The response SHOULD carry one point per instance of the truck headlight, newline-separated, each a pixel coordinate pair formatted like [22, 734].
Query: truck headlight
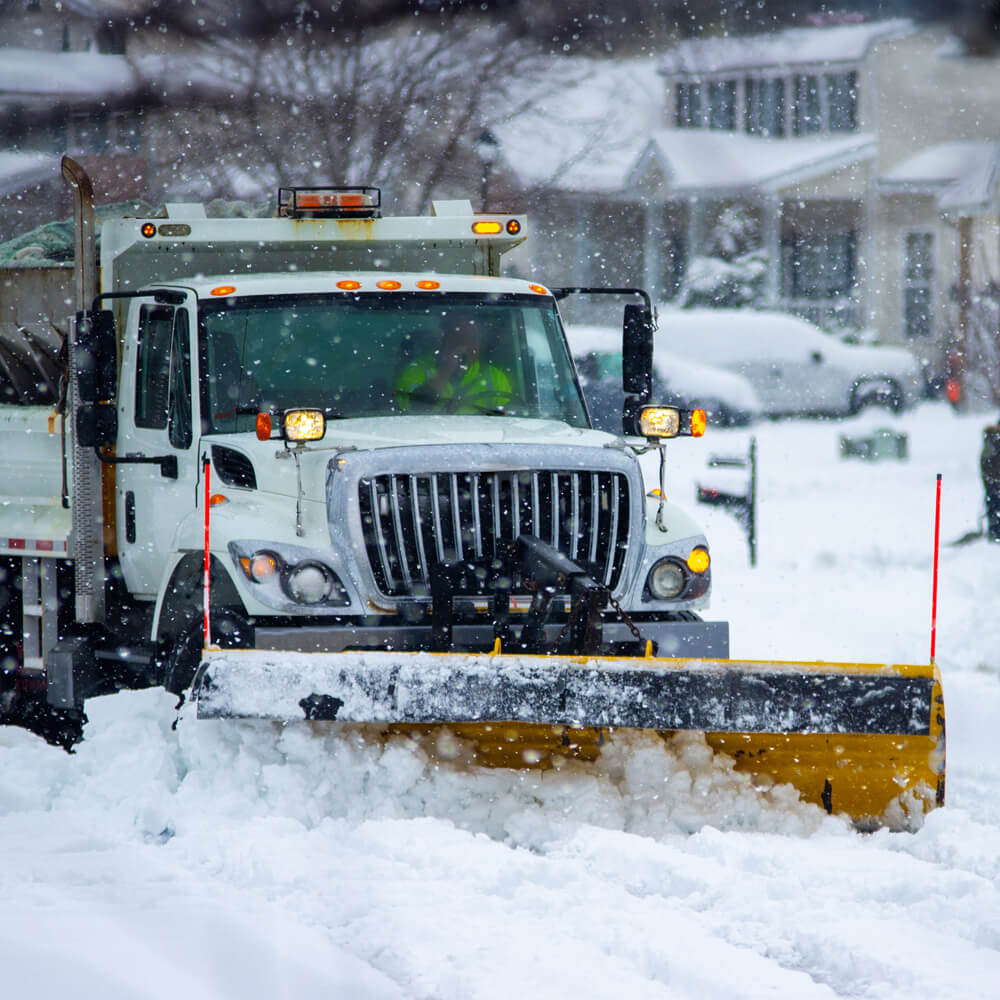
[310, 583]
[304, 425]
[667, 579]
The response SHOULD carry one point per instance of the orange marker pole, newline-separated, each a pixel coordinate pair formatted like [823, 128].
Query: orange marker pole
[934, 588]
[206, 586]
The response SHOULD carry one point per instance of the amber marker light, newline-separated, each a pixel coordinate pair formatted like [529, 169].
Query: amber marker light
[428, 286]
[513, 227]
[263, 426]
[539, 289]
[699, 421]
[349, 286]
[389, 285]
[148, 230]
[216, 498]
[487, 227]
[698, 561]
[223, 290]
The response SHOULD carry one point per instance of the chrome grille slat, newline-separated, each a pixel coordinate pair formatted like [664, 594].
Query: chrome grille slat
[397, 524]
[436, 512]
[477, 528]
[383, 552]
[610, 563]
[462, 515]
[554, 486]
[425, 569]
[575, 540]
[595, 515]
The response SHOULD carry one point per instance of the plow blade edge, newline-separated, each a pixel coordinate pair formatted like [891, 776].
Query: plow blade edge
[852, 737]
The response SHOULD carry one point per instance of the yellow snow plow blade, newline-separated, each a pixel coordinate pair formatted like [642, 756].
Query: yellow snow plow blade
[851, 737]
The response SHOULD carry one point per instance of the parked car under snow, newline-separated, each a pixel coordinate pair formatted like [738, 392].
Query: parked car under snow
[795, 368]
[728, 398]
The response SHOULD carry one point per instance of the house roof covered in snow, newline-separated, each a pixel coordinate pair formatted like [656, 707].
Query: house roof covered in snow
[699, 160]
[963, 175]
[34, 78]
[586, 129]
[23, 170]
[821, 45]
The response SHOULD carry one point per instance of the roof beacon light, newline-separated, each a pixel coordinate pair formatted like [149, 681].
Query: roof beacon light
[329, 203]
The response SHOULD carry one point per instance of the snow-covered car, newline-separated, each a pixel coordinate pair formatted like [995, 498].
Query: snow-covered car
[796, 368]
[729, 399]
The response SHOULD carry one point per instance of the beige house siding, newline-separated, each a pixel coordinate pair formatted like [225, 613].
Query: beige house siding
[926, 95]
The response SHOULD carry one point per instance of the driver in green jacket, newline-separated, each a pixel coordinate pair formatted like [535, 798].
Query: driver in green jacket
[456, 378]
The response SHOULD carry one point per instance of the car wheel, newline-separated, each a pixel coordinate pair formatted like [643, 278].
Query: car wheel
[883, 392]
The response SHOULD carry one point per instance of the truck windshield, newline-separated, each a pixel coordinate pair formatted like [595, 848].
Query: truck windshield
[358, 355]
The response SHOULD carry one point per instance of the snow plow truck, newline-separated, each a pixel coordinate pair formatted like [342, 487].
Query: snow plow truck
[271, 484]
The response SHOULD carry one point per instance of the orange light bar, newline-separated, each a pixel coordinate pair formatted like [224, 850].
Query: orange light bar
[331, 199]
[223, 290]
[487, 227]
[389, 285]
[263, 426]
[539, 289]
[699, 421]
[428, 286]
[349, 286]
[148, 230]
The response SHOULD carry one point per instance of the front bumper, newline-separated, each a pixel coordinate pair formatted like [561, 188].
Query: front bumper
[694, 639]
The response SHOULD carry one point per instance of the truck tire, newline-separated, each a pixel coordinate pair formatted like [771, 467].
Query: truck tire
[230, 630]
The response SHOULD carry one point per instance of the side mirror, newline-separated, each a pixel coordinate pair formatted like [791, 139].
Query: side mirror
[95, 362]
[637, 352]
[96, 425]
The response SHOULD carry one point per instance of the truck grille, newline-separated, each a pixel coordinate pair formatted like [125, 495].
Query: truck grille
[412, 522]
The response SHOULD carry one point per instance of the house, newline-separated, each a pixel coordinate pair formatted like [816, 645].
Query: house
[826, 153]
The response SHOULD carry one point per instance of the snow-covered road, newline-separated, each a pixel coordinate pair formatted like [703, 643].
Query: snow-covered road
[239, 860]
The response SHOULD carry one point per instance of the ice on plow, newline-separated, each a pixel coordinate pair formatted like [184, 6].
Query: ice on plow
[854, 738]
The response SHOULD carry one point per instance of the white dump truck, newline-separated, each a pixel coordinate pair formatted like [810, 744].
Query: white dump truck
[335, 467]
[281, 361]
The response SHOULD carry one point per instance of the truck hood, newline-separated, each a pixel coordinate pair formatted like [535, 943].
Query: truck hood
[274, 470]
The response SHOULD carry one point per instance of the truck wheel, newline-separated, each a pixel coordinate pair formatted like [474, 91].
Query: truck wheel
[230, 630]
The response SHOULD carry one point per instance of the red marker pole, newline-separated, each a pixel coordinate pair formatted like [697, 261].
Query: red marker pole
[934, 588]
[206, 587]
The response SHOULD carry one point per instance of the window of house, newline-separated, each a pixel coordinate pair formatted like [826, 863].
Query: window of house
[689, 105]
[918, 284]
[807, 111]
[819, 265]
[772, 107]
[722, 104]
[841, 101]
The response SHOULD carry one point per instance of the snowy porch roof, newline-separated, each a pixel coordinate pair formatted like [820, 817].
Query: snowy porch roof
[44, 79]
[19, 171]
[963, 175]
[822, 45]
[695, 161]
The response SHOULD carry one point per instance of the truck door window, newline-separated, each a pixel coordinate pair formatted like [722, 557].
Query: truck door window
[179, 409]
[152, 377]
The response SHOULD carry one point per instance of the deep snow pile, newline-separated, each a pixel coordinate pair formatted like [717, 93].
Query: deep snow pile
[250, 860]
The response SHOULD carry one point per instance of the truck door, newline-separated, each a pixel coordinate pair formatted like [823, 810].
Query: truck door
[155, 418]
